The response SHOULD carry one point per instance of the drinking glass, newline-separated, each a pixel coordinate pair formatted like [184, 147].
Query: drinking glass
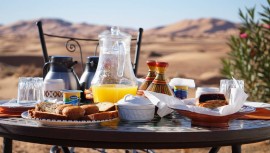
[227, 84]
[30, 89]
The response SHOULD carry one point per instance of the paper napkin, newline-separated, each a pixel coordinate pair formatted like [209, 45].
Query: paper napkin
[166, 103]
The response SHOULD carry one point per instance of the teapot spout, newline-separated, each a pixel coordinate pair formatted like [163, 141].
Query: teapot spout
[72, 64]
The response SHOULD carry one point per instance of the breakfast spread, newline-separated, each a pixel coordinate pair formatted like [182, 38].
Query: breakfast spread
[54, 111]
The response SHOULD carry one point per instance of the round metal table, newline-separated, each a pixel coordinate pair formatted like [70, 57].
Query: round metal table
[164, 133]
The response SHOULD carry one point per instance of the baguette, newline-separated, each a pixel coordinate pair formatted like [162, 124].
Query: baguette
[90, 109]
[59, 109]
[73, 112]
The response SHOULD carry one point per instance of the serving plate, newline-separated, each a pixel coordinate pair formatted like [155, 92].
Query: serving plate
[62, 122]
[257, 104]
[13, 106]
[214, 121]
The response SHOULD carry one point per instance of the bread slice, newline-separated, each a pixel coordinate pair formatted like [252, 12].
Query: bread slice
[46, 115]
[46, 107]
[105, 106]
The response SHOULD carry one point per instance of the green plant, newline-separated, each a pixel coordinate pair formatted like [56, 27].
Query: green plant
[249, 58]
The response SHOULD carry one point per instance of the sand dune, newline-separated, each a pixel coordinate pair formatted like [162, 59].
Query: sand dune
[196, 28]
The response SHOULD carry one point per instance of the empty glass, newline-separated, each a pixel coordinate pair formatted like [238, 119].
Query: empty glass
[227, 84]
[30, 89]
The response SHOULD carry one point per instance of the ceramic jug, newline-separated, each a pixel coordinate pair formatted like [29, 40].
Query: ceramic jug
[114, 77]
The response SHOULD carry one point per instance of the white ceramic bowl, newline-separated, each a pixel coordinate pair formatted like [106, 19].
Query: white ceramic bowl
[135, 109]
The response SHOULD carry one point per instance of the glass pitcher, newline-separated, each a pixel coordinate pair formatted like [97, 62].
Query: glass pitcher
[114, 77]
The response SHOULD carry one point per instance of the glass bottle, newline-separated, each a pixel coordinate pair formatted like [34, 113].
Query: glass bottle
[159, 84]
[149, 78]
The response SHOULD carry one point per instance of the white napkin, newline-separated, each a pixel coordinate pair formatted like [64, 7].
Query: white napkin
[166, 102]
[160, 100]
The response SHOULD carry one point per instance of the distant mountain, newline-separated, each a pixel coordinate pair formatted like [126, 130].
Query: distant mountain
[187, 28]
[196, 28]
[56, 26]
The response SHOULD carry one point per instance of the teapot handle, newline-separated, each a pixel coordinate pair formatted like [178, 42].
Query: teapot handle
[121, 59]
[45, 69]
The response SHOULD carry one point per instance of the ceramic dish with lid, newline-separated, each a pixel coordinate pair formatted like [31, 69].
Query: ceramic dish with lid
[135, 109]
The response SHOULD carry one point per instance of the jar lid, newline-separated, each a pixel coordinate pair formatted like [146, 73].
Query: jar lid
[114, 33]
[162, 64]
[130, 100]
[208, 89]
[151, 62]
[182, 82]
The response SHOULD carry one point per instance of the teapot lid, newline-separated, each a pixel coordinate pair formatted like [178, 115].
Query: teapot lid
[93, 59]
[114, 33]
[61, 59]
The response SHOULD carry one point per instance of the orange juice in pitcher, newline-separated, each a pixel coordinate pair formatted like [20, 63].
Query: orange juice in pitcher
[112, 92]
[114, 77]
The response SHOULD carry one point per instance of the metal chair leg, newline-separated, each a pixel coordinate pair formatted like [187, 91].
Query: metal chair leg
[65, 149]
[236, 148]
[7, 145]
[214, 150]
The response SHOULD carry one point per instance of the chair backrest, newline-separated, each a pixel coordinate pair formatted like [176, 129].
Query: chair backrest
[71, 47]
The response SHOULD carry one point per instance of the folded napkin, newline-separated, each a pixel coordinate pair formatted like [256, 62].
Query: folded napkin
[166, 103]
[5, 114]
[12, 109]
[259, 114]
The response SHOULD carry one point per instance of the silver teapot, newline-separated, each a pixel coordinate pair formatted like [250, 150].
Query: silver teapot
[61, 67]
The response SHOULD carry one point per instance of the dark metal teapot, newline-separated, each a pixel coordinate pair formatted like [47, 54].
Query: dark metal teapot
[61, 67]
[89, 72]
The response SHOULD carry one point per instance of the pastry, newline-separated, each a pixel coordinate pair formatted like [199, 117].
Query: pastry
[212, 100]
[46, 115]
[60, 108]
[90, 109]
[73, 112]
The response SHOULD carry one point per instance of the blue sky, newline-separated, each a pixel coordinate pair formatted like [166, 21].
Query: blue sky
[128, 13]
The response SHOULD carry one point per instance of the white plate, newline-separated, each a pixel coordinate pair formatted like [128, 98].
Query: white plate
[257, 104]
[13, 104]
[61, 122]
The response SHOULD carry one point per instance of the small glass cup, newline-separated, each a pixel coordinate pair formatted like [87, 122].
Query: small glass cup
[227, 84]
[30, 89]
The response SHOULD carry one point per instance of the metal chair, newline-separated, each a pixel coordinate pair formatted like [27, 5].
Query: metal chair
[72, 42]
